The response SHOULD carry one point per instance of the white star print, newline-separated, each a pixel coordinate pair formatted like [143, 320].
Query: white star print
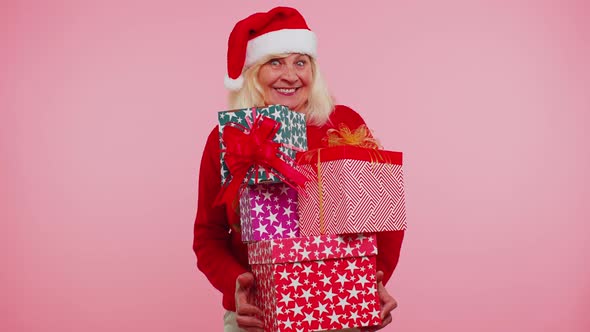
[288, 323]
[354, 315]
[284, 275]
[375, 313]
[262, 229]
[279, 230]
[342, 303]
[267, 195]
[305, 254]
[365, 305]
[297, 245]
[248, 113]
[286, 299]
[342, 279]
[276, 114]
[348, 250]
[353, 293]
[306, 294]
[307, 270]
[321, 308]
[297, 310]
[292, 233]
[334, 318]
[284, 189]
[257, 208]
[287, 211]
[278, 137]
[295, 283]
[317, 240]
[362, 279]
[272, 218]
[328, 295]
[352, 266]
[309, 318]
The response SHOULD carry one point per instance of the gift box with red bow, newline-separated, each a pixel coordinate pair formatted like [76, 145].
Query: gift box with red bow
[256, 148]
[268, 211]
[351, 190]
[258, 145]
[316, 283]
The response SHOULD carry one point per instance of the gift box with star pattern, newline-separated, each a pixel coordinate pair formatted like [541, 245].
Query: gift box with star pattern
[351, 190]
[316, 283]
[292, 132]
[268, 211]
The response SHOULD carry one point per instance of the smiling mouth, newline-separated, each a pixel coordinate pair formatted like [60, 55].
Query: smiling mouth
[286, 91]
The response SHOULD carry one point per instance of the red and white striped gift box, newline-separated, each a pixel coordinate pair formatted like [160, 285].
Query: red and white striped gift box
[354, 190]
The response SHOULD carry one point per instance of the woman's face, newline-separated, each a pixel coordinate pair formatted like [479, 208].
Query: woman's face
[286, 81]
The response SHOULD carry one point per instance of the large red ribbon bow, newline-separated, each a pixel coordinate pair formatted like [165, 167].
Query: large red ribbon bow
[249, 149]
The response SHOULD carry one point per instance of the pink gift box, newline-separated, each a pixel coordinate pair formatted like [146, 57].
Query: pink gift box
[316, 283]
[268, 211]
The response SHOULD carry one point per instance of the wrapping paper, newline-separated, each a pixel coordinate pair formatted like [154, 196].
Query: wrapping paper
[268, 211]
[354, 190]
[291, 132]
[316, 283]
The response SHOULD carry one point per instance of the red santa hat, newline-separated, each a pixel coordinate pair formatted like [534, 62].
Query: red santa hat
[280, 30]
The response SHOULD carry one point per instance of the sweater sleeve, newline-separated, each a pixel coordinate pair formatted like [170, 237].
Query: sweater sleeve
[211, 232]
[388, 243]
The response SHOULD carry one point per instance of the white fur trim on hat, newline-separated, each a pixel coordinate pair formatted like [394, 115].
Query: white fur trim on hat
[233, 84]
[281, 41]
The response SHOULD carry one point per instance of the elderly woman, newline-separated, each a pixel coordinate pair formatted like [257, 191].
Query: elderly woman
[271, 60]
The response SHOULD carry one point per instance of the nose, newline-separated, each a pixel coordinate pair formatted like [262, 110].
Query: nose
[289, 74]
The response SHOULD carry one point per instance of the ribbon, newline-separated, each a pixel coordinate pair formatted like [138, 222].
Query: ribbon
[321, 196]
[250, 149]
[360, 137]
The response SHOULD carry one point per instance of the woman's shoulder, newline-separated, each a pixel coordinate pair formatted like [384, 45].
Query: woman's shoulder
[343, 109]
[343, 113]
[212, 144]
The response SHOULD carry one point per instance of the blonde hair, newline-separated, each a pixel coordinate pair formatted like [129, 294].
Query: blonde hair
[319, 104]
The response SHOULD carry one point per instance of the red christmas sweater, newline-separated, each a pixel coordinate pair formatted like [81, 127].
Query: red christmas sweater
[221, 254]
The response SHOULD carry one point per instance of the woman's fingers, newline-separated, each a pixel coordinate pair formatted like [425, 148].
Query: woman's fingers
[388, 304]
[248, 309]
[246, 313]
[388, 319]
[247, 322]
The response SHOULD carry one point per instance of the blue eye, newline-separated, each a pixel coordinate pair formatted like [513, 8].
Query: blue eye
[301, 63]
[274, 62]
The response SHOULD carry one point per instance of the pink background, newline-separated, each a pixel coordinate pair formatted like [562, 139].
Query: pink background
[105, 107]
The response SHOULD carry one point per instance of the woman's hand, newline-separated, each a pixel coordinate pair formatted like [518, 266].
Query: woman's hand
[246, 312]
[388, 303]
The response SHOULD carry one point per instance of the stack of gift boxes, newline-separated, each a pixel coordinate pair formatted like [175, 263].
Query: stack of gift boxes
[313, 249]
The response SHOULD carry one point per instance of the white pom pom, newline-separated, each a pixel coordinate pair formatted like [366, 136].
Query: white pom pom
[233, 84]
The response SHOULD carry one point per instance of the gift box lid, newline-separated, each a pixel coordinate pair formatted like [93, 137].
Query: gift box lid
[349, 152]
[312, 248]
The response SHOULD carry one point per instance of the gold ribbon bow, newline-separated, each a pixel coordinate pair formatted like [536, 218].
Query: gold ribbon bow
[360, 137]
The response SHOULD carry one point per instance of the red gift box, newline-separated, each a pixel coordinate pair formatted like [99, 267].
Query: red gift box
[316, 283]
[355, 190]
